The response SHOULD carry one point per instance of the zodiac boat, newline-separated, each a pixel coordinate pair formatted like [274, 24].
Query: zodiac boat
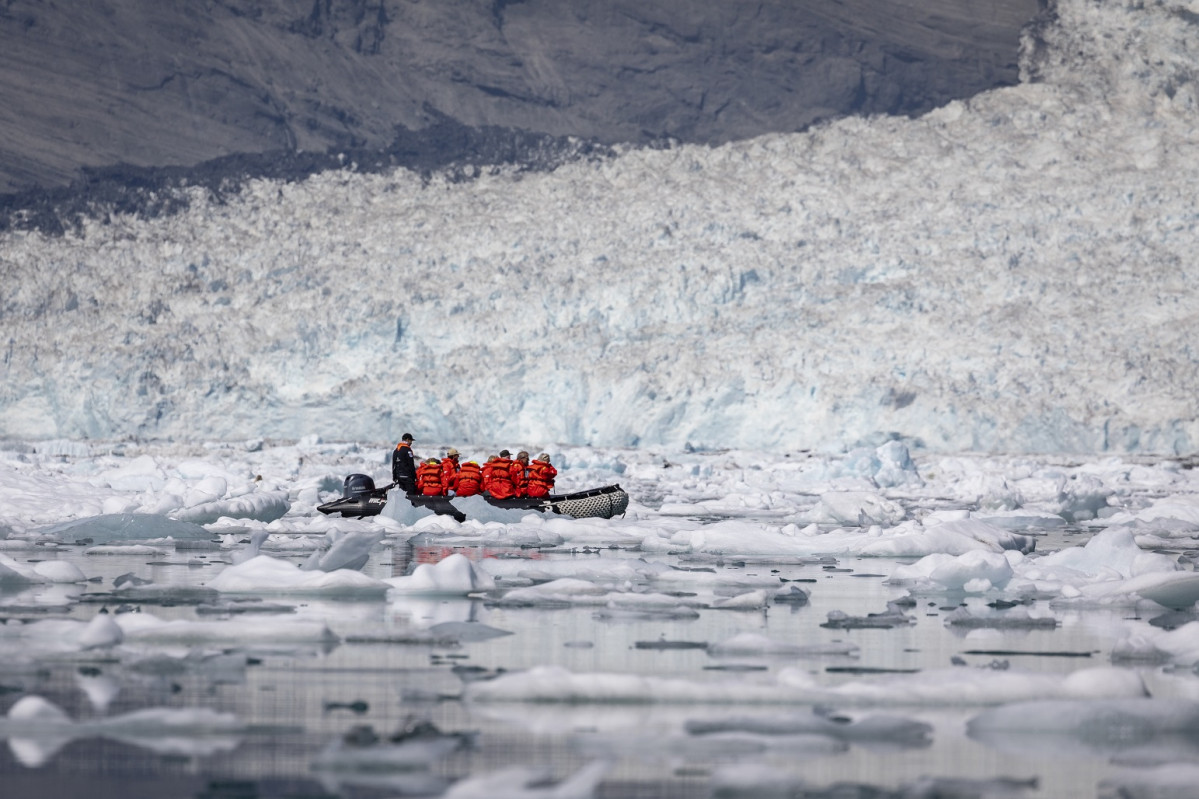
[360, 498]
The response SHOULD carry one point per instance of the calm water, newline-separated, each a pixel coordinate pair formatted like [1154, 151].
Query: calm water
[298, 701]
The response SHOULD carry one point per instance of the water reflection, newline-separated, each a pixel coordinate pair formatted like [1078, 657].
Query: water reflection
[342, 716]
[406, 556]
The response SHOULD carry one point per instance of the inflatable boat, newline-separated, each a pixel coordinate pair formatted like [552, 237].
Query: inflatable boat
[360, 498]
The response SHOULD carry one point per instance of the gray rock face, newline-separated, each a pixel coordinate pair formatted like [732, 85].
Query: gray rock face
[147, 83]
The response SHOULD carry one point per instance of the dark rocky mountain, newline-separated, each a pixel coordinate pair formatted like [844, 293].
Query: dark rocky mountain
[93, 90]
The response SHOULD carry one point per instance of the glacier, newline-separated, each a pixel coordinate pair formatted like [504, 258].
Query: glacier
[1011, 273]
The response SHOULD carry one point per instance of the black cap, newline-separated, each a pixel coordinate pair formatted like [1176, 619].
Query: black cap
[504, 453]
[407, 437]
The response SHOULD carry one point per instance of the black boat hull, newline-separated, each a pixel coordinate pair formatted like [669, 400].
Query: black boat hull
[355, 506]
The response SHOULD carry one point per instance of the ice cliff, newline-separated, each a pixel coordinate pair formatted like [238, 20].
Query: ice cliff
[1013, 272]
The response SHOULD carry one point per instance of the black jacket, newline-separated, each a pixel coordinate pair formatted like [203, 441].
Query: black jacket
[403, 467]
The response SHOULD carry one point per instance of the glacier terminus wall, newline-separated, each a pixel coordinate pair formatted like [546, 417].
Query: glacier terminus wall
[1013, 272]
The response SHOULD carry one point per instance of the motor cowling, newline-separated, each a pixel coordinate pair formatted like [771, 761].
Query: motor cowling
[357, 485]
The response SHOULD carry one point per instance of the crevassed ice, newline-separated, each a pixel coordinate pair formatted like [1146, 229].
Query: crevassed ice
[1007, 273]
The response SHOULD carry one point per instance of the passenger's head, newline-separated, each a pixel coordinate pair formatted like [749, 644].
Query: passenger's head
[543, 457]
[407, 437]
[505, 453]
[522, 456]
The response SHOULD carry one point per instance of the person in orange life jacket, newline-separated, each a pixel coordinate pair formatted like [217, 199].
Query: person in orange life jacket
[469, 480]
[403, 466]
[488, 468]
[541, 477]
[449, 471]
[500, 486]
[519, 470]
[428, 478]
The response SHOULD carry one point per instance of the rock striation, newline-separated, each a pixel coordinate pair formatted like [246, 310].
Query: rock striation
[85, 87]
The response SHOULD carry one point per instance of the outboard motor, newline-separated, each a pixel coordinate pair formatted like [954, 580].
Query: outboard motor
[358, 485]
[359, 498]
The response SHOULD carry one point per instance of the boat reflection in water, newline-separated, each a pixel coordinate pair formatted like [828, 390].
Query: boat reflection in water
[409, 555]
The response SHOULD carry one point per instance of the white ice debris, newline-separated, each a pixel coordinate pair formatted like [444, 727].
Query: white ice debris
[37, 729]
[455, 575]
[267, 575]
[795, 686]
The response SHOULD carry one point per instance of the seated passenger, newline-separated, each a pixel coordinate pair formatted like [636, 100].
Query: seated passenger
[449, 470]
[469, 480]
[500, 485]
[541, 477]
[520, 473]
[428, 478]
[488, 468]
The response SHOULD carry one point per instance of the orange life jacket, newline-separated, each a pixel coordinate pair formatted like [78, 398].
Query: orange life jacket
[449, 474]
[469, 480]
[500, 484]
[519, 477]
[428, 479]
[541, 479]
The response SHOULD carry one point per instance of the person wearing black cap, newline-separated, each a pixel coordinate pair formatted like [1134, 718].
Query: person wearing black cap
[403, 466]
[499, 479]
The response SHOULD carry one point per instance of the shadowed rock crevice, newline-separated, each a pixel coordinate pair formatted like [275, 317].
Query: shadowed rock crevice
[447, 147]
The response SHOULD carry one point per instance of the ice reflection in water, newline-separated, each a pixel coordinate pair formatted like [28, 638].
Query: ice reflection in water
[357, 716]
[278, 695]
